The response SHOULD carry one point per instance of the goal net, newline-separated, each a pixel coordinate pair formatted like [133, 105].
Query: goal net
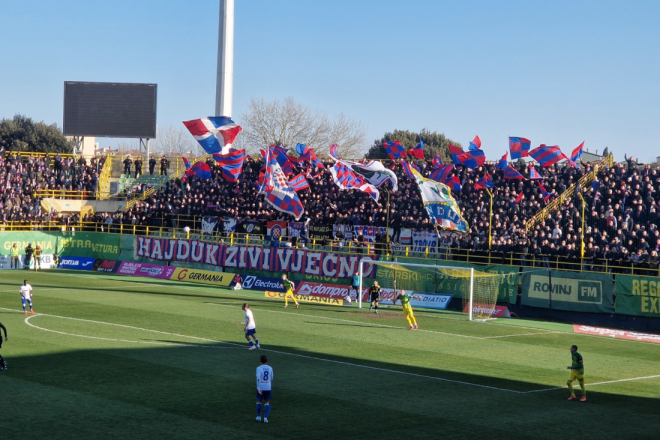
[478, 290]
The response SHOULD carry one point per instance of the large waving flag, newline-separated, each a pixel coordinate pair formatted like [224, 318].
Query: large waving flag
[305, 153]
[372, 171]
[437, 161]
[519, 147]
[454, 183]
[533, 174]
[454, 152]
[472, 159]
[394, 149]
[484, 183]
[502, 162]
[345, 178]
[439, 204]
[215, 134]
[279, 154]
[577, 153]
[547, 155]
[277, 190]
[418, 151]
[231, 164]
[298, 183]
[511, 173]
[199, 170]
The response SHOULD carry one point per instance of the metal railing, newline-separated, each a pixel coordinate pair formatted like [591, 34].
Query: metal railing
[103, 189]
[559, 202]
[64, 194]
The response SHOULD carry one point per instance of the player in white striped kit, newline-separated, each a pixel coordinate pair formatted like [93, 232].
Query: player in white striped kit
[26, 296]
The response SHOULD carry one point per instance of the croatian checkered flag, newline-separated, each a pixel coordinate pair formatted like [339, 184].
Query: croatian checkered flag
[345, 178]
[277, 190]
[215, 134]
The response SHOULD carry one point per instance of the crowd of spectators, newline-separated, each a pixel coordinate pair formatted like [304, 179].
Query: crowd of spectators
[621, 214]
[23, 174]
[620, 222]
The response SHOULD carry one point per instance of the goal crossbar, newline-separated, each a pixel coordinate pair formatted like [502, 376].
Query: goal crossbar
[428, 266]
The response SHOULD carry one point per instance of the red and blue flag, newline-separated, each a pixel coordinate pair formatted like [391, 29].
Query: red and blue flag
[406, 169]
[394, 149]
[576, 154]
[533, 174]
[511, 173]
[277, 190]
[502, 162]
[475, 144]
[519, 147]
[298, 183]
[199, 170]
[547, 155]
[442, 174]
[437, 161]
[472, 159]
[345, 178]
[546, 194]
[215, 134]
[518, 199]
[454, 152]
[418, 151]
[231, 164]
[484, 182]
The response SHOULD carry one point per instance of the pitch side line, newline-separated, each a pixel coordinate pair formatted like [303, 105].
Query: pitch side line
[593, 384]
[263, 349]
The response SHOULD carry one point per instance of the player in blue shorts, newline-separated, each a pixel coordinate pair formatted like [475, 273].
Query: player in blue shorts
[264, 388]
[250, 328]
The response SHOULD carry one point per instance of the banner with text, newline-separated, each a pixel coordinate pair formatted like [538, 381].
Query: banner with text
[47, 242]
[91, 245]
[251, 257]
[639, 296]
[572, 291]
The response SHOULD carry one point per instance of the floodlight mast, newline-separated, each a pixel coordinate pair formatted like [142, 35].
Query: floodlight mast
[224, 86]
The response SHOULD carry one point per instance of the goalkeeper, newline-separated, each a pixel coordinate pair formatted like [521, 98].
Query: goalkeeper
[407, 309]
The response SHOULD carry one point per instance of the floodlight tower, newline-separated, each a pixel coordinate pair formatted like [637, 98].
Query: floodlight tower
[224, 87]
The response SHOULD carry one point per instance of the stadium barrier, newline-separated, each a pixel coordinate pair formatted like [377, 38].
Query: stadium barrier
[637, 296]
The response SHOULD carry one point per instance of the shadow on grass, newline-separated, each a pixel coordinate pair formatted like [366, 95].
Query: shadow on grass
[315, 396]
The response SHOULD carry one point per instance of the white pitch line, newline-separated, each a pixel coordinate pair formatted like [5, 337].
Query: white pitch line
[593, 384]
[521, 334]
[269, 350]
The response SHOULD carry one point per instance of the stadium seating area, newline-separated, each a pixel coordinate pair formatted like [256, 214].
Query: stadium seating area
[621, 208]
[23, 174]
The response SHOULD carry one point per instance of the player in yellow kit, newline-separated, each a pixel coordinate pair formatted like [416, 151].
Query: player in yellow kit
[289, 286]
[577, 372]
[407, 308]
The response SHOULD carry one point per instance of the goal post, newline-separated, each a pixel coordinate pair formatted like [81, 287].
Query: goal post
[478, 290]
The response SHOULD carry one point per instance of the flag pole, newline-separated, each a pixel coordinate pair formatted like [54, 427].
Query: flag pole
[490, 219]
[387, 229]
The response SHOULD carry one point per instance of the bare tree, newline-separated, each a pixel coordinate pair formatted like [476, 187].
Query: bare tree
[288, 123]
[173, 140]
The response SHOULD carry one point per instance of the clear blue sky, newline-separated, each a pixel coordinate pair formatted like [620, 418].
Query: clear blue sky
[556, 72]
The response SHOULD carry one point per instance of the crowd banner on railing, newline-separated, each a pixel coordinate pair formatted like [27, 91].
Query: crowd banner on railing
[229, 225]
[320, 232]
[47, 242]
[251, 257]
[638, 296]
[277, 230]
[251, 227]
[578, 292]
[209, 224]
[296, 229]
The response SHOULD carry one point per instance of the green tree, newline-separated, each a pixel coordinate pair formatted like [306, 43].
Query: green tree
[434, 143]
[606, 152]
[23, 134]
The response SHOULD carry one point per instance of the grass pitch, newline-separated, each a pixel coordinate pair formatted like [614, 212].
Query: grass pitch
[121, 357]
